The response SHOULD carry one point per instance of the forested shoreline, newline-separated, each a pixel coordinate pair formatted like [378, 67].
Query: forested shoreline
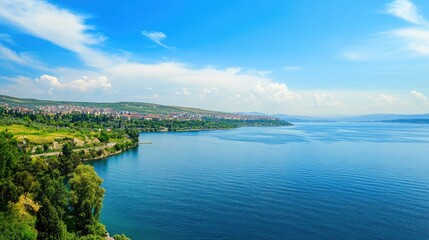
[56, 197]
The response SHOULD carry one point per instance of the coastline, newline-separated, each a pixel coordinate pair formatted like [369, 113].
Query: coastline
[108, 154]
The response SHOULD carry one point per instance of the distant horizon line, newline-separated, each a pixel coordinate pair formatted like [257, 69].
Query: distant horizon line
[339, 115]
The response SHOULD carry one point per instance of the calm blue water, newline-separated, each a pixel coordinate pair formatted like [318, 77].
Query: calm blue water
[309, 181]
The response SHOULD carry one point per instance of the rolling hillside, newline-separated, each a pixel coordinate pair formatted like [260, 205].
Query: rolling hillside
[148, 108]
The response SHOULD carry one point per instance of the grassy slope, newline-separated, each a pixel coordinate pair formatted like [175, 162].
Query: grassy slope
[40, 135]
[121, 106]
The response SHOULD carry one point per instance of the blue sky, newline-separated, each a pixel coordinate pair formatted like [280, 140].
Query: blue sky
[294, 57]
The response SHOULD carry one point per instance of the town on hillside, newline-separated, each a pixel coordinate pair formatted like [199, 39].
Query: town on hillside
[128, 115]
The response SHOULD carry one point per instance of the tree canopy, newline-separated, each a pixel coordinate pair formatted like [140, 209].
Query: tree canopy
[86, 198]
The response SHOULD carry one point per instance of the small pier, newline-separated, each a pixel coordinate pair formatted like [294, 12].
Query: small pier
[145, 142]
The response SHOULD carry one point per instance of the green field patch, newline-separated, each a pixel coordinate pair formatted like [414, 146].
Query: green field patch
[40, 135]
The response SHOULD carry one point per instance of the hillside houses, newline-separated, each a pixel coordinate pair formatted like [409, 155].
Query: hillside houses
[127, 115]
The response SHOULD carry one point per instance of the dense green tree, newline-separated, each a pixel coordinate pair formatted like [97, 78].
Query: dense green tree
[9, 162]
[14, 228]
[104, 137]
[51, 186]
[9, 192]
[86, 198]
[26, 181]
[68, 160]
[48, 224]
[91, 237]
[120, 237]
[133, 133]
[67, 150]
[9, 154]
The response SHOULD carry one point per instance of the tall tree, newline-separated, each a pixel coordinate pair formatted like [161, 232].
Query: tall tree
[51, 187]
[9, 161]
[48, 224]
[86, 198]
[68, 159]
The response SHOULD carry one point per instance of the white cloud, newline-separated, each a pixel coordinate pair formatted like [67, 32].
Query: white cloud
[85, 84]
[178, 74]
[420, 96]
[414, 39]
[325, 100]
[49, 22]
[274, 93]
[157, 37]
[56, 25]
[49, 80]
[406, 10]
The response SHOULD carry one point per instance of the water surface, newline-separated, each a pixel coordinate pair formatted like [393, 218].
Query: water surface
[309, 181]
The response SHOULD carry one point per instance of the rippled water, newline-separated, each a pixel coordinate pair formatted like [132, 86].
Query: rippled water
[309, 181]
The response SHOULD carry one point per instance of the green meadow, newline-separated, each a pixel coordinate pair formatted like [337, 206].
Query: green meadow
[42, 135]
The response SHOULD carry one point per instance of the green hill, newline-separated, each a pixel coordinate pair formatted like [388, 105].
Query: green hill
[139, 107]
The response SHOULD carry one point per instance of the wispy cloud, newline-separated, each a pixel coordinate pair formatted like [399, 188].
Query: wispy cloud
[19, 58]
[157, 37]
[383, 100]
[411, 41]
[4, 37]
[59, 26]
[49, 22]
[420, 96]
[407, 11]
[415, 39]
